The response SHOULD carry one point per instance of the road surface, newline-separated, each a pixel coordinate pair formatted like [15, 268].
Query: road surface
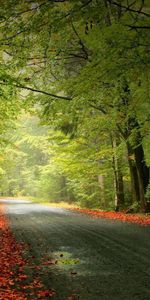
[96, 259]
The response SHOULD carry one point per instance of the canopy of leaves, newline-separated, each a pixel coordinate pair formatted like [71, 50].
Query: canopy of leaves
[84, 66]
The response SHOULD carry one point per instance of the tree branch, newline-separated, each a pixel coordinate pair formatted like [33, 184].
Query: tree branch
[13, 36]
[137, 27]
[30, 9]
[127, 8]
[99, 108]
[85, 4]
[20, 86]
[80, 41]
[76, 10]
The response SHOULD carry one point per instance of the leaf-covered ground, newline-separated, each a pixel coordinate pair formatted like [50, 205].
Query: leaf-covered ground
[123, 216]
[14, 282]
[55, 253]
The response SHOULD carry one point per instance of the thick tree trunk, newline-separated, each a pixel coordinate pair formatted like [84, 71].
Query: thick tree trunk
[130, 130]
[141, 166]
[143, 175]
[139, 173]
[133, 175]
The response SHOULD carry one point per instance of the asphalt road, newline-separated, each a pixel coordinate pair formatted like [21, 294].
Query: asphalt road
[97, 259]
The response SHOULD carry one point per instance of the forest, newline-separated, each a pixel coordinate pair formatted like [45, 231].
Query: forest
[75, 102]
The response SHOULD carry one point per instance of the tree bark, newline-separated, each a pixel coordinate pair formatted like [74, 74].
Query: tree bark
[143, 175]
[102, 190]
[118, 177]
[131, 132]
[138, 169]
[133, 174]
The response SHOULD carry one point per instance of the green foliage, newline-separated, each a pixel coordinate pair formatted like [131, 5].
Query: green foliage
[84, 67]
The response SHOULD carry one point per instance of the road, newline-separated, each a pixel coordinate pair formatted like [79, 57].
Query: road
[97, 259]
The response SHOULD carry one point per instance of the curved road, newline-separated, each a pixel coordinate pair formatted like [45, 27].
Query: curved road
[94, 259]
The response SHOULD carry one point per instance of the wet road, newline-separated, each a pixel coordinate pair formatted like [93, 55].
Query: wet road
[97, 259]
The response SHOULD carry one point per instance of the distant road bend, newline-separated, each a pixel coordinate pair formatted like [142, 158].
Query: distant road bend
[96, 259]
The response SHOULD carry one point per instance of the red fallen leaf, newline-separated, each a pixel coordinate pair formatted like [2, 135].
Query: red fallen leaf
[49, 262]
[11, 282]
[46, 293]
[23, 277]
[37, 267]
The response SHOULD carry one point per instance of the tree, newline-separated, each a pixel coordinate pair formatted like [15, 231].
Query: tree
[88, 55]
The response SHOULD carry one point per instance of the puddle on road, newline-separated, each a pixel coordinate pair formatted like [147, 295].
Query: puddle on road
[65, 258]
[64, 261]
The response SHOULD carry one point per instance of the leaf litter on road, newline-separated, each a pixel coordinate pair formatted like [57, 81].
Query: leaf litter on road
[14, 283]
[123, 216]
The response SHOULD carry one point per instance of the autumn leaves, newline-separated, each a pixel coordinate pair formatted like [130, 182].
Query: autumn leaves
[123, 216]
[14, 282]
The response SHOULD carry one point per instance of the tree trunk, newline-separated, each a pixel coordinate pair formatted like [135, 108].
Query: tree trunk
[130, 130]
[139, 172]
[143, 175]
[133, 175]
[141, 166]
[119, 186]
[102, 190]
[63, 188]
